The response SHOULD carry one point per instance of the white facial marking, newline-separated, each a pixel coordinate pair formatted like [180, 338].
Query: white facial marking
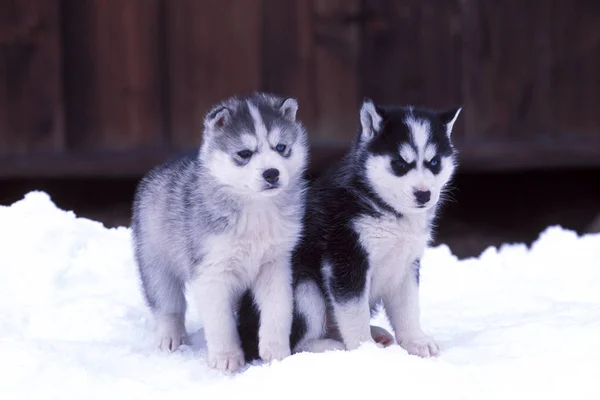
[398, 191]
[249, 141]
[260, 128]
[391, 188]
[420, 132]
[274, 136]
[430, 152]
[408, 153]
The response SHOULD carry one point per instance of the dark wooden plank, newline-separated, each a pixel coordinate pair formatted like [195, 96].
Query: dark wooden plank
[411, 53]
[288, 56]
[337, 49]
[112, 71]
[214, 52]
[531, 70]
[310, 51]
[31, 97]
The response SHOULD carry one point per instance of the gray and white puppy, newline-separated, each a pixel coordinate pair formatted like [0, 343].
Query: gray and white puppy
[223, 221]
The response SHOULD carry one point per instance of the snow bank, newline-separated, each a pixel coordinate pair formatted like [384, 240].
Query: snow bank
[514, 323]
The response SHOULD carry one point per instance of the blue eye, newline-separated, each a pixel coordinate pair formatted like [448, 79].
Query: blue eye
[280, 148]
[434, 162]
[245, 154]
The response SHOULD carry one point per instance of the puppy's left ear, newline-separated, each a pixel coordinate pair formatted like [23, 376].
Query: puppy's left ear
[289, 108]
[448, 118]
[217, 118]
[370, 120]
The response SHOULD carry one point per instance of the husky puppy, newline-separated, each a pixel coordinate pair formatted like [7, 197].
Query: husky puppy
[223, 221]
[367, 224]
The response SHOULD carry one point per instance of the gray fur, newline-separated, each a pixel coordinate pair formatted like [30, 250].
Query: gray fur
[189, 212]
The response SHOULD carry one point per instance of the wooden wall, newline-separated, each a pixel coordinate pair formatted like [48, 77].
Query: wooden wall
[111, 87]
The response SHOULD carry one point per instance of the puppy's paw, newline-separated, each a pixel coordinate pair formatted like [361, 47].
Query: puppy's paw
[361, 342]
[226, 361]
[170, 341]
[381, 336]
[170, 334]
[422, 346]
[273, 350]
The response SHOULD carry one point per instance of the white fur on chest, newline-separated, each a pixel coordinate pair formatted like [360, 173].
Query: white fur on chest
[261, 233]
[392, 245]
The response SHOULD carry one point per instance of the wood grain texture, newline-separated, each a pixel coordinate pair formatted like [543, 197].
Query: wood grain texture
[288, 56]
[31, 96]
[531, 70]
[337, 50]
[411, 52]
[214, 53]
[84, 82]
[113, 87]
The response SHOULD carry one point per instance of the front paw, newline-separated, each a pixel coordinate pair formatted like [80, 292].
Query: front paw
[274, 350]
[422, 346]
[226, 361]
[353, 344]
[170, 332]
[170, 340]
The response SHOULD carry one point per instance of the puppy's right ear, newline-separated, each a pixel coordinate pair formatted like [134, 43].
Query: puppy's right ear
[289, 108]
[370, 120]
[217, 118]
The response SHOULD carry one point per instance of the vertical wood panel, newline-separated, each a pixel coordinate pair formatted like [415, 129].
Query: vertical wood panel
[31, 98]
[288, 56]
[214, 53]
[531, 71]
[411, 53]
[336, 69]
[113, 74]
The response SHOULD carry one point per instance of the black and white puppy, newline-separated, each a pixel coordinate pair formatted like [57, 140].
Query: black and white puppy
[367, 224]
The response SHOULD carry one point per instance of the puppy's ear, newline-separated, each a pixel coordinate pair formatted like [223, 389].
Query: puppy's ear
[217, 118]
[370, 120]
[448, 118]
[289, 108]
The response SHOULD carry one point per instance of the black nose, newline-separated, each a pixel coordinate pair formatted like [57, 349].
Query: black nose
[271, 175]
[422, 196]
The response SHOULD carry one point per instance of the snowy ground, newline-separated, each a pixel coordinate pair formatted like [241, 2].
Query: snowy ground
[516, 323]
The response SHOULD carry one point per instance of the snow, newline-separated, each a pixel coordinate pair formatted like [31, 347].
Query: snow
[514, 323]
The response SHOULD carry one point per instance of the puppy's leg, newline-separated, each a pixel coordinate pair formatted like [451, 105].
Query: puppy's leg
[347, 280]
[273, 295]
[353, 319]
[164, 294]
[217, 294]
[403, 309]
[312, 311]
